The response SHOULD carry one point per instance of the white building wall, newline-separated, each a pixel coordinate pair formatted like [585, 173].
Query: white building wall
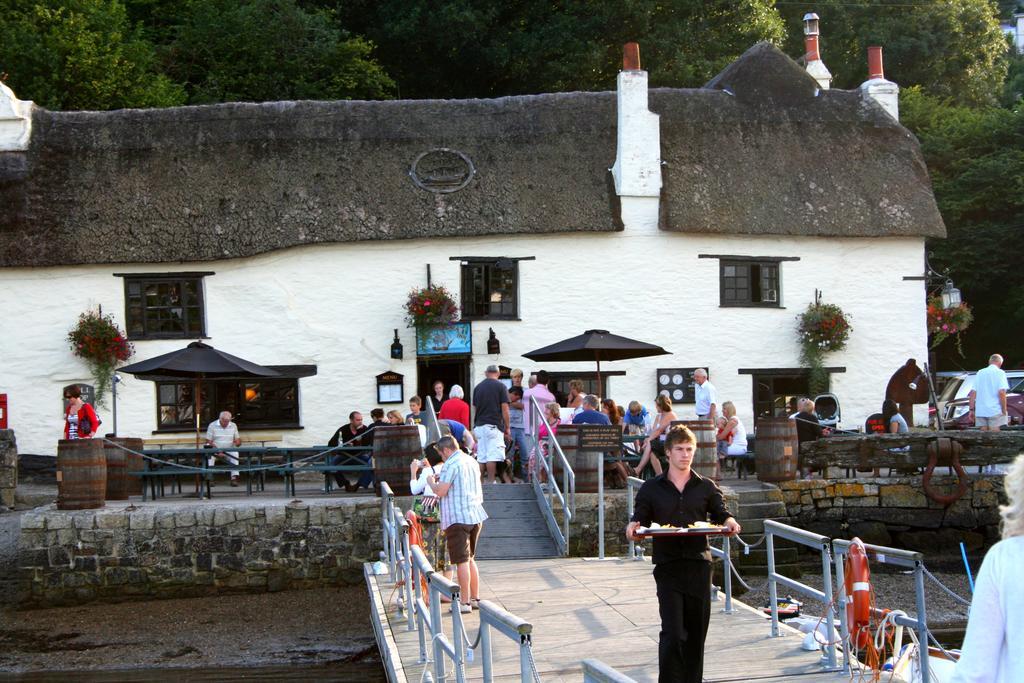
[336, 306]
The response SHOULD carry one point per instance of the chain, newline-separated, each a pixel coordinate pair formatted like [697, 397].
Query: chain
[533, 665]
[943, 587]
[759, 541]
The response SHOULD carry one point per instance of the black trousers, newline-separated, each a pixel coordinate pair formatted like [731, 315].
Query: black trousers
[684, 602]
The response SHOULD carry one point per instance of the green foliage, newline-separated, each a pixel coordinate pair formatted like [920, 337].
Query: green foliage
[80, 54]
[98, 341]
[976, 160]
[479, 48]
[264, 50]
[821, 328]
[952, 48]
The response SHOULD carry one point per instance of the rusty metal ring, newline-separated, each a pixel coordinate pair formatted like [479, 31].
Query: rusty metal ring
[949, 451]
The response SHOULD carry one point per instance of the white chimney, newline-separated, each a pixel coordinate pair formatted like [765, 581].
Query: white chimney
[637, 169]
[15, 121]
[886, 93]
[815, 67]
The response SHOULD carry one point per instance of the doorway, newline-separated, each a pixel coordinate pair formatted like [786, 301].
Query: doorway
[450, 370]
[773, 391]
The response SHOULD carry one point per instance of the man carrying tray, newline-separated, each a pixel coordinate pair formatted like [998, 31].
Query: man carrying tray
[682, 563]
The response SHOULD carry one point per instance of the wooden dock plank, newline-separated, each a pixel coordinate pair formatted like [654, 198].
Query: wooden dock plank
[608, 610]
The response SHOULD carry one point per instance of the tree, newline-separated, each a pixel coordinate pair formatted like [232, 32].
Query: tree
[976, 160]
[479, 48]
[80, 54]
[951, 48]
[263, 50]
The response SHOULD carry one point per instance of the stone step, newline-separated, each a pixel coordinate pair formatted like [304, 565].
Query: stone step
[768, 510]
[766, 495]
[792, 571]
[508, 492]
[758, 557]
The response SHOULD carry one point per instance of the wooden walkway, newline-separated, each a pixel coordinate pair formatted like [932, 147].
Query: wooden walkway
[605, 610]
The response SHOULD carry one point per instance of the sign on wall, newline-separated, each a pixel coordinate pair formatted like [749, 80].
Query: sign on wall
[677, 384]
[443, 340]
[390, 387]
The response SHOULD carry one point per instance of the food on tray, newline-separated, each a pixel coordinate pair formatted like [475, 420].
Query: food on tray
[703, 525]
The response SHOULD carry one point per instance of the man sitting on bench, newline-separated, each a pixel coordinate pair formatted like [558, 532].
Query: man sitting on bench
[349, 434]
[223, 433]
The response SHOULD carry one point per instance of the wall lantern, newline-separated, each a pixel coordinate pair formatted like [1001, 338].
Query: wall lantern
[396, 347]
[950, 295]
[493, 345]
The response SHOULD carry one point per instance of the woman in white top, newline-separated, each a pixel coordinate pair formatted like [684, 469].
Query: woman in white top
[734, 428]
[654, 446]
[992, 651]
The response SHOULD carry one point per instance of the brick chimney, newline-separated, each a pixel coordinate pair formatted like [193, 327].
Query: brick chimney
[886, 93]
[15, 121]
[812, 55]
[637, 169]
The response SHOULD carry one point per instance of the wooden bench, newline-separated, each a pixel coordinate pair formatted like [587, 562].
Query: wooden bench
[186, 441]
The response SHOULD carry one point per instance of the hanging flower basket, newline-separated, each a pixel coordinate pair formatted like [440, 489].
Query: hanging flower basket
[430, 306]
[821, 329]
[944, 323]
[98, 341]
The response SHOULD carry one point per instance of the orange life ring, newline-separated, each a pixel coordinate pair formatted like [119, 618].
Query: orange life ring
[858, 594]
[415, 529]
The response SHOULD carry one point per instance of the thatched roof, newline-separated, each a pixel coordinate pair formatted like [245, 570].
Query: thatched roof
[232, 180]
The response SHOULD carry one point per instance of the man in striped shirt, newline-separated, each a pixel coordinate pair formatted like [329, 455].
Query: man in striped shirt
[462, 515]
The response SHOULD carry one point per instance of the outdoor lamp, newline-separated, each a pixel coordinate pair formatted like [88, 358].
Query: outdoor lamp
[950, 295]
[396, 347]
[811, 24]
[493, 345]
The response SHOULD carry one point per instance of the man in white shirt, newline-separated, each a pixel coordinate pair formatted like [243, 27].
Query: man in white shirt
[223, 433]
[988, 398]
[705, 395]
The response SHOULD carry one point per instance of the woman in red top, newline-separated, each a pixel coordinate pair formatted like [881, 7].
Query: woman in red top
[455, 408]
[80, 421]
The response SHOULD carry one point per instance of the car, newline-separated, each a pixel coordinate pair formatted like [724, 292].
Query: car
[963, 420]
[958, 388]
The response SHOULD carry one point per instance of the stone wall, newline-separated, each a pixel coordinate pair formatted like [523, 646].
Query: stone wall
[896, 511]
[8, 467]
[189, 550]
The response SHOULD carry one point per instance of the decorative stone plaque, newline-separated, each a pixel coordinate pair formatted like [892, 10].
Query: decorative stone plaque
[442, 170]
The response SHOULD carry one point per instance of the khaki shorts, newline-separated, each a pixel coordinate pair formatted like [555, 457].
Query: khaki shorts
[994, 422]
[461, 541]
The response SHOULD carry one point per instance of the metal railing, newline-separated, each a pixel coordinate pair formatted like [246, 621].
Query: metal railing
[410, 567]
[548, 493]
[899, 558]
[596, 671]
[773, 529]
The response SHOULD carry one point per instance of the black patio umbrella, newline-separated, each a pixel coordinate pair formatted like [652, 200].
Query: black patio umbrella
[197, 361]
[596, 345]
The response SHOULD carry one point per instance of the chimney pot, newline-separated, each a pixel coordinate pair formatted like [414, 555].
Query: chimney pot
[875, 69]
[811, 53]
[631, 57]
[810, 24]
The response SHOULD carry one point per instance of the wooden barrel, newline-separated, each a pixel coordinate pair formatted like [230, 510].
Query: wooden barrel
[120, 483]
[777, 451]
[586, 466]
[81, 474]
[393, 449]
[705, 456]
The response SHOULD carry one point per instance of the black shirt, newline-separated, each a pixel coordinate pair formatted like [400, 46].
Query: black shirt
[487, 399]
[345, 434]
[660, 501]
[807, 427]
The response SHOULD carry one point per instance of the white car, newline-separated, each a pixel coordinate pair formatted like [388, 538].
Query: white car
[962, 385]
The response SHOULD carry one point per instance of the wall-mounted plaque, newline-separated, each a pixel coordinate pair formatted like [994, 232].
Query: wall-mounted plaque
[442, 170]
[443, 340]
[600, 438]
[390, 387]
[677, 384]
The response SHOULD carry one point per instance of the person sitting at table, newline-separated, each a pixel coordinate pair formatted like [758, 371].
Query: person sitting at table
[394, 418]
[894, 422]
[350, 434]
[808, 428]
[455, 408]
[223, 433]
[733, 434]
[576, 394]
[377, 415]
[591, 412]
[614, 470]
[654, 444]
[415, 416]
[637, 420]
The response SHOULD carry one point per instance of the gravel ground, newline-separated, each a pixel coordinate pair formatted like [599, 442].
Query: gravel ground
[892, 591]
